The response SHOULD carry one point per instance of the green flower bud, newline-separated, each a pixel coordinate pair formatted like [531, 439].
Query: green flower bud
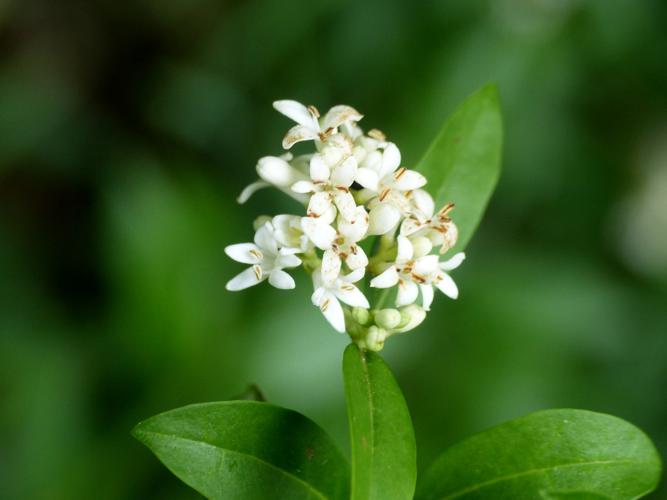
[260, 221]
[388, 318]
[411, 317]
[375, 338]
[361, 315]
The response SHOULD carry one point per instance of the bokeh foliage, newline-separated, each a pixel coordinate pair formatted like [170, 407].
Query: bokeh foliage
[128, 128]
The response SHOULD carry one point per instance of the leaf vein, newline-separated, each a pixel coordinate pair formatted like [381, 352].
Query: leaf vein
[308, 486]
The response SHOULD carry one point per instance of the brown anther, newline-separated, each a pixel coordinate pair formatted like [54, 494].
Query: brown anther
[343, 188]
[354, 249]
[384, 194]
[446, 209]
[313, 111]
[417, 278]
[408, 194]
[399, 173]
[376, 134]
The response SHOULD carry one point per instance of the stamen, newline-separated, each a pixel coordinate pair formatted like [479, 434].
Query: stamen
[258, 272]
[256, 253]
[376, 134]
[384, 194]
[313, 111]
[399, 173]
[418, 279]
[325, 305]
[446, 209]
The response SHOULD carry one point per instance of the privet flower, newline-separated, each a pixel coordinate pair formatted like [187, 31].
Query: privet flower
[365, 216]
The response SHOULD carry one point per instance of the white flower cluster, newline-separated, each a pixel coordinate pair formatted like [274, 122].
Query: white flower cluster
[359, 200]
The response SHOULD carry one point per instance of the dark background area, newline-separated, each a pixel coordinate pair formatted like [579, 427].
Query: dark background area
[127, 129]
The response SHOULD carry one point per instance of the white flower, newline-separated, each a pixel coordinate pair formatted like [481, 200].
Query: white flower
[329, 294]
[267, 261]
[438, 228]
[415, 270]
[309, 126]
[386, 186]
[338, 245]
[275, 171]
[289, 234]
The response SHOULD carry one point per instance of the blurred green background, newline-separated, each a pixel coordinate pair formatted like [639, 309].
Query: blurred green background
[128, 128]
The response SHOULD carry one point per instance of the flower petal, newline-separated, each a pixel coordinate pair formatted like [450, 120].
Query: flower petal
[303, 187]
[427, 296]
[286, 258]
[423, 201]
[407, 180]
[297, 112]
[426, 266]
[383, 217]
[355, 229]
[344, 173]
[354, 276]
[407, 292]
[410, 225]
[319, 170]
[264, 239]
[278, 172]
[367, 178]
[251, 189]
[386, 279]
[351, 295]
[356, 258]
[320, 233]
[319, 203]
[405, 250]
[298, 133]
[391, 159]
[246, 279]
[331, 265]
[340, 114]
[454, 262]
[333, 311]
[446, 285]
[280, 279]
[246, 253]
[345, 203]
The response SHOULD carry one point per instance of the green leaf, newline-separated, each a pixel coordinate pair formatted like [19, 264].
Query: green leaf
[384, 457]
[573, 495]
[553, 450]
[247, 450]
[463, 163]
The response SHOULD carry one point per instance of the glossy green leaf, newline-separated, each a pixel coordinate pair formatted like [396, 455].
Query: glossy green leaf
[553, 450]
[463, 162]
[381, 437]
[573, 495]
[247, 450]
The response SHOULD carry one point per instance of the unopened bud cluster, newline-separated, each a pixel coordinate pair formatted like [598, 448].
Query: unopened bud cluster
[365, 216]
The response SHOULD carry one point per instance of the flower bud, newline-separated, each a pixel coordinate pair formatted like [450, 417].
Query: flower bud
[361, 315]
[278, 172]
[375, 338]
[260, 221]
[422, 246]
[388, 318]
[411, 317]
